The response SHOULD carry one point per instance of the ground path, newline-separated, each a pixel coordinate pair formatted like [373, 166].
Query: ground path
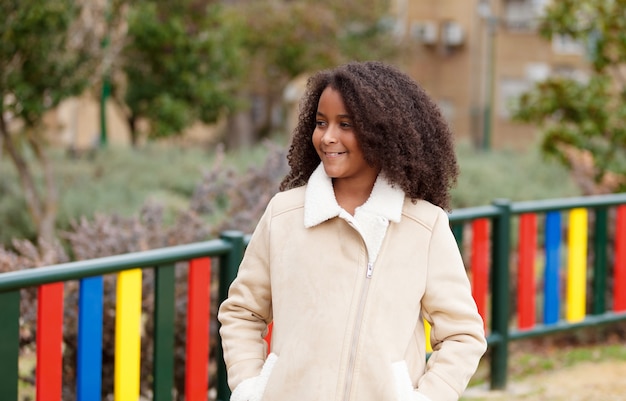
[584, 381]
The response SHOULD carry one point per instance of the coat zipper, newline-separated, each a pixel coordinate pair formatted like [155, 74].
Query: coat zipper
[356, 331]
[370, 270]
[358, 320]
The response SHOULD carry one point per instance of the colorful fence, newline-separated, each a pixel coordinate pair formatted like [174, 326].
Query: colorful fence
[554, 276]
[128, 270]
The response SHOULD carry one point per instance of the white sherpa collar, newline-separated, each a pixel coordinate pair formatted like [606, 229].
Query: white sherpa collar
[370, 219]
[320, 203]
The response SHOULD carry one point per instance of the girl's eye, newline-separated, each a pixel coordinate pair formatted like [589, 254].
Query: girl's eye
[346, 124]
[320, 123]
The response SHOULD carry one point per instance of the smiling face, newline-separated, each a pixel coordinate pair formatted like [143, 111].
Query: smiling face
[336, 143]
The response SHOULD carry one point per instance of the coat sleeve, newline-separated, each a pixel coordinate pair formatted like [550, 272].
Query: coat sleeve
[457, 330]
[247, 311]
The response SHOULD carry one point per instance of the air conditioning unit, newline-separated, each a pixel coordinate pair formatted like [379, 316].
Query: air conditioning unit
[425, 32]
[452, 34]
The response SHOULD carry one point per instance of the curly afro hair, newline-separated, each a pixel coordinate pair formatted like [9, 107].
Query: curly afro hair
[398, 126]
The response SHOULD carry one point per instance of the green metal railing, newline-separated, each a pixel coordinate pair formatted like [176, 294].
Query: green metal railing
[501, 215]
[228, 250]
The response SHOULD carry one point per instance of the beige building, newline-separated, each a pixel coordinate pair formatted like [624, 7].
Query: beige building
[476, 56]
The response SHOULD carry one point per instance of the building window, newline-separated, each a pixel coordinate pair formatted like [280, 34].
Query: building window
[510, 91]
[523, 15]
[571, 72]
[564, 44]
[512, 88]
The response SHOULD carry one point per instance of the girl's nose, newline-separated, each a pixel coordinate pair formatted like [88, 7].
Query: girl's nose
[329, 136]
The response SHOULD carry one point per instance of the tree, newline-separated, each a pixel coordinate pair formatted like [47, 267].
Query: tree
[201, 60]
[45, 56]
[285, 39]
[583, 120]
[181, 64]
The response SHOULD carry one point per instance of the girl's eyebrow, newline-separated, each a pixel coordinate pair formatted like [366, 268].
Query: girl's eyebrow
[319, 113]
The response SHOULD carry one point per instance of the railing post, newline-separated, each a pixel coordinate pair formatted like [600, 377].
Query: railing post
[600, 260]
[9, 343]
[164, 335]
[500, 290]
[229, 264]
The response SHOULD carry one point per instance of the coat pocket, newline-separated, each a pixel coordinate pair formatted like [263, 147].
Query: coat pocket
[404, 387]
[252, 389]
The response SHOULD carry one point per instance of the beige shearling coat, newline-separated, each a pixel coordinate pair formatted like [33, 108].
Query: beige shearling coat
[347, 296]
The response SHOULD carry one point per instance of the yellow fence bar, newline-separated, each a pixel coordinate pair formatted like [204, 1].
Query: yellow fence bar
[577, 265]
[128, 336]
[429, 347]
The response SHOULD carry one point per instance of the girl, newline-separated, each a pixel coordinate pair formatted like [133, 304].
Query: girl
[354, 254]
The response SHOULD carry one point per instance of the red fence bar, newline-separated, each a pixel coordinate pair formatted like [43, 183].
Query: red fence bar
[619, 275]
[197, 347]
[526, 271]
[480, 264]
[268, 337]
[49, 339]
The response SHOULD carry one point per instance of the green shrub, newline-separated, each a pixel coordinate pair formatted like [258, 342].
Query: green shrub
[121, 181]
[109, 181]
[510, 174]
[15, 221]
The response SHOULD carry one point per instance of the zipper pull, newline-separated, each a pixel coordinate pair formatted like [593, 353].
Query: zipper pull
[370, 270]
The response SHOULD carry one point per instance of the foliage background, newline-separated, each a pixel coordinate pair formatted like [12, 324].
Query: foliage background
[582, 118]
[121, 181]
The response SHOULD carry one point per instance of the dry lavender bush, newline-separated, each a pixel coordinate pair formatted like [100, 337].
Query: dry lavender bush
[230, 200]
[246, 194]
